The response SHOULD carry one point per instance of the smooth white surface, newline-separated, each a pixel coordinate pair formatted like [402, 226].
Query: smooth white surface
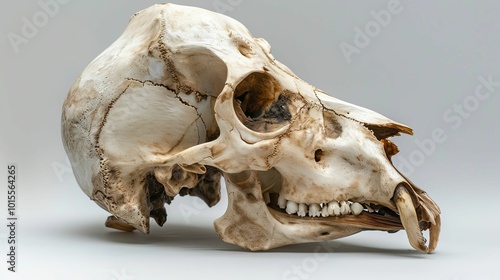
[417, 68]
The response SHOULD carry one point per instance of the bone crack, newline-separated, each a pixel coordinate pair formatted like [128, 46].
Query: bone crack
[177, 93]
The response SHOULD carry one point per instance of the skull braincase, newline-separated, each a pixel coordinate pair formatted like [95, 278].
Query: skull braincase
[186, 96]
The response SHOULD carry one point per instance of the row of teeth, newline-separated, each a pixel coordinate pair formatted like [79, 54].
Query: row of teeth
[333, 208]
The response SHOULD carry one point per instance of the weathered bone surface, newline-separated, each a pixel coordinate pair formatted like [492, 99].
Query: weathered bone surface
[186, 96]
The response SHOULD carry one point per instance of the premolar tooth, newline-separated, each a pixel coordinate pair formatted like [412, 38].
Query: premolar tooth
[333, 208]
[281, 202]
[302, 212]
[356, 208]
[344, 208]
[314, 210]
[324, 210]
[292, 207]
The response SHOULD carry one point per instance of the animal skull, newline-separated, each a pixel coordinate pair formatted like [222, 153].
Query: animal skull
[186, 95]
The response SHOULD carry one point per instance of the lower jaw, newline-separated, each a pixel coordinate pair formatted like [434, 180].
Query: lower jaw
[381, 220]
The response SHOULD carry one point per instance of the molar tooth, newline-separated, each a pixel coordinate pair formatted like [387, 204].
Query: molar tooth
[302, 212]
[333, 208]
[314, 210]
[344, 208]
[324, 210]
[356, 208]
[281, 202]
[292, 207]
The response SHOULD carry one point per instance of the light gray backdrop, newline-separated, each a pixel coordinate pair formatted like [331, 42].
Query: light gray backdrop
[434, 66]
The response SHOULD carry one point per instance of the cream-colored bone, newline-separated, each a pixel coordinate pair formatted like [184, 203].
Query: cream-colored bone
[185, 94]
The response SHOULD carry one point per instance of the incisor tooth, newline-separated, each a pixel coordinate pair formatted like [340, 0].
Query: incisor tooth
[302, 210]
[344, 208]
[281, 202]
[292, 207]
[314, 210]
[356, 208]
[334, 208]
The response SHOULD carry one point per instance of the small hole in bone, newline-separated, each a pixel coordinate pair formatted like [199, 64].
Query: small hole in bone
[325, 233]
[177, 173]
[318, 154]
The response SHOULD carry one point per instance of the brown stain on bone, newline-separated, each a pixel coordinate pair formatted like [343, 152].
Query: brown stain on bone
[333, 129]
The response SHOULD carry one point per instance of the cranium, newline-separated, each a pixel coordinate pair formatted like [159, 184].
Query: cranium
[186, 95]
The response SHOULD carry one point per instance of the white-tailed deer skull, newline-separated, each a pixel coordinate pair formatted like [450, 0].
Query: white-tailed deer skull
[186, 95]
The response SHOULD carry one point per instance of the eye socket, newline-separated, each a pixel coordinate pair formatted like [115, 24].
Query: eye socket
[318, 155]
[260, 103]
[256, 93]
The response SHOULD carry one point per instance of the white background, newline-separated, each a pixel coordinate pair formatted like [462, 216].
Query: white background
[416, 70]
